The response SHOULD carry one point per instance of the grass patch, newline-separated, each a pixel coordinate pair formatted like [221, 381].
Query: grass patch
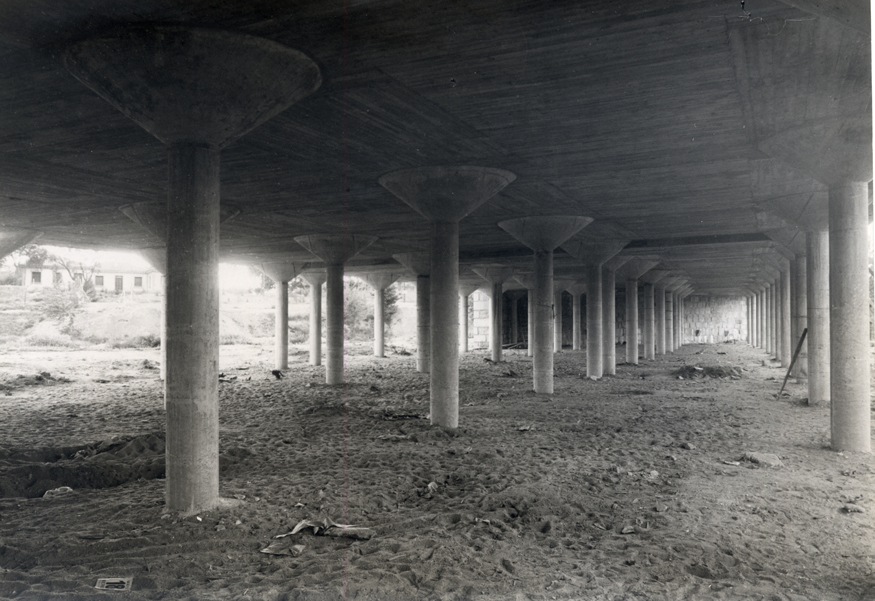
[50, 341]
[147, 341]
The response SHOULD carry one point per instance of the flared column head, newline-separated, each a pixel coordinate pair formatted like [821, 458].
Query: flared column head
[281, 271]
[526, 279]
[379, 280]
[616, 262]
[315, 278]
[494, 274]
[577, 288]
[192, 85]
[11, 239]
[156, 257]
[335, 249]
[593, 252]
[561, 284]
[446, 193]
[469, 287]
[810, 214]
[151, 216]
[417, 262]
[544, 234]
[654, 275]
[635, 268]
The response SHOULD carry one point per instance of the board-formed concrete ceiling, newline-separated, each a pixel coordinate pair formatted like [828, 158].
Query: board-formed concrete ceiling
[681, 126]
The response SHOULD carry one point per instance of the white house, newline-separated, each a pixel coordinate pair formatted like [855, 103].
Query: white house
[110, 276]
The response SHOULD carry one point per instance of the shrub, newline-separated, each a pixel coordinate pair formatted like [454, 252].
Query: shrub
[53, 341]
[147, 341]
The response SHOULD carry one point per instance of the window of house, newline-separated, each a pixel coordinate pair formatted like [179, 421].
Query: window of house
[36, 277]
[138, 282]
[98, 280]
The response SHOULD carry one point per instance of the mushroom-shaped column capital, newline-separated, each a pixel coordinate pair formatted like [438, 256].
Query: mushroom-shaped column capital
[494, 274]
[469, 288]
[446, 193]
[156, 257]
[379, 280]
[192, 85]
[616, 262]
[654, 275]
[151, 215]
[335, 249]
[417, 262]
[576, 287]
[544, 234]
[635, 268]
[11, 239]
[281, 271]
[593, 252]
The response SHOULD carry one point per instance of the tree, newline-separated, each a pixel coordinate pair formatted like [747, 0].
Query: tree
[81, 273]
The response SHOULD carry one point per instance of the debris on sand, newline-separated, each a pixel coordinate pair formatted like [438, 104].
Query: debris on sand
[711, 371]
[328, 527]
[766, 459]
[57, 492]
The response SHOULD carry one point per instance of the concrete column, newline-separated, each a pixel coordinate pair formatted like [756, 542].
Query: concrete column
[669, 322]
[463, 322]
[786, 349]
[849, 317]
[444, 381]
[281, 326]
[496, 323]
[281, 272]
[609, 322]
[379, 322]
[776, 318]
[594, 322]
[444, 195]
[603, 254]
[528, 280]
[420, 264]
[800, 315]
[649, 322]
[423, 324]
[763, 319]
[514, 318]
[542, 235]
[334, 339]
[379, 282]
[770, 319]
[465, 291]
[192, 443]
[577, 291]
[315, 279]
[334, 250]
[496, 275]
[817, 253]
[676, 321]
[544, 344]
[530, 321]
[632, 321]
[173, 82]
[557, 321]
[659, 310]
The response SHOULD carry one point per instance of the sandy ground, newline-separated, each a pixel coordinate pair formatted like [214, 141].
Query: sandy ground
[631, 487]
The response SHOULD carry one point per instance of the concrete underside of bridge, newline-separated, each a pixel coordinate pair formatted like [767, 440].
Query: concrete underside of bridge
[718, 141]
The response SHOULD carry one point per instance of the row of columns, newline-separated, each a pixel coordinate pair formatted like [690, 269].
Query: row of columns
[826, 291]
